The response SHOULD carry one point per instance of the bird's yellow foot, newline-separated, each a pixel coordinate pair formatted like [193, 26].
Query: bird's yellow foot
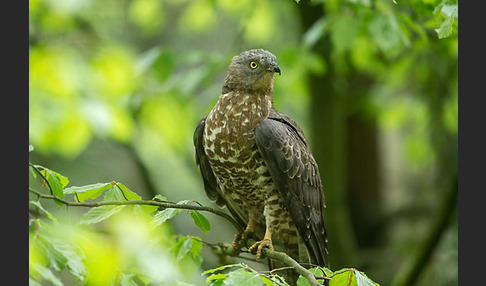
[242, 237]
[258, 246]
[236, 241]
[249, 232]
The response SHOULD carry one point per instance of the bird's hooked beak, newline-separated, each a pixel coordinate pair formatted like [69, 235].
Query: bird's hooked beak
[275, 68]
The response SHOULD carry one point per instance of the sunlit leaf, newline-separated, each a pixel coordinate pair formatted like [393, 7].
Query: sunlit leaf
[88, 191]
[343, 277]
[56, 181]
[121, 193]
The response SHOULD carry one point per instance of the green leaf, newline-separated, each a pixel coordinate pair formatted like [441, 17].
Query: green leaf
[56, 181]
[244, 278]
[363, 280]
[97, 214]
[386, 32]
[32, 171]
[31, 148]
[39, 206]
[343, 277]
[89, 191]
[113, 194]
[130, 195]
[162, 216]
[302, 281]
[188, 247]
[274, 280]
[63, 255]
[222, 268]
[126, 279]
[47, 274]
[196, 247]
[200, 221]
[219, 276]
[327, 271]
[184, 247]
[159, 197]
[445, 29]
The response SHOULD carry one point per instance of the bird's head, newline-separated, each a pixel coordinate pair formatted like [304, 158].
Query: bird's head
[252, 70]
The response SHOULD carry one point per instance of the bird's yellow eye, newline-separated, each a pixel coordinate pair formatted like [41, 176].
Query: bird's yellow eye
[253, 65]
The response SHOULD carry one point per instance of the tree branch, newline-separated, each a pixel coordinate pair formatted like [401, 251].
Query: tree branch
[281, 256]
[142, 202]
[289, 261]
[285, 258]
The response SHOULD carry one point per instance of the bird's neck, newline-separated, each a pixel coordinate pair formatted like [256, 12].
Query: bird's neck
[263, 87]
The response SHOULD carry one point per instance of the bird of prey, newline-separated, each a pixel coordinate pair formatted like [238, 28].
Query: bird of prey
[256, 161]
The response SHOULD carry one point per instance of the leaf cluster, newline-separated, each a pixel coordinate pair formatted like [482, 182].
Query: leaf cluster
[134, 245]
[56, 245]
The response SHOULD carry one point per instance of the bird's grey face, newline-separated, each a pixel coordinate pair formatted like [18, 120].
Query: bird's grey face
[254, 69]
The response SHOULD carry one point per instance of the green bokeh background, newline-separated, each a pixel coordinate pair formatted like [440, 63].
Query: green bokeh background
[117, 88]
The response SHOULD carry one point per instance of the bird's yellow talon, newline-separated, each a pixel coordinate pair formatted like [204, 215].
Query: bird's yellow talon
[258, 246]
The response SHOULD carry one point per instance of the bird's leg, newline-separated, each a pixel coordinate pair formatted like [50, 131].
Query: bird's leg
[249, 231]
[259, 245]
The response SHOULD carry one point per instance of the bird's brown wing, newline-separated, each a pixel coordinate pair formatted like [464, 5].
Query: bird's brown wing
[211, 186]
[285, 150]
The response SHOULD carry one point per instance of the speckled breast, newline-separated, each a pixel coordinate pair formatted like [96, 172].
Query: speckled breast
[229, 143]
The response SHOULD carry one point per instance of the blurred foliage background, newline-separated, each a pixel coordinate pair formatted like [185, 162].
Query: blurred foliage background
[118, 86]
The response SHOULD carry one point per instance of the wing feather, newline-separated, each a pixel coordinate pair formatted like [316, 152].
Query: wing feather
[293, 168]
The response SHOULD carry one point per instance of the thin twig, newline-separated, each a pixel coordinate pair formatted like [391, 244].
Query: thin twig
[43, 177]
[141, 202]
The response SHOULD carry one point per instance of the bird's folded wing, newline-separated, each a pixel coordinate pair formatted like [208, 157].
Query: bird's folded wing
[293, 168]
